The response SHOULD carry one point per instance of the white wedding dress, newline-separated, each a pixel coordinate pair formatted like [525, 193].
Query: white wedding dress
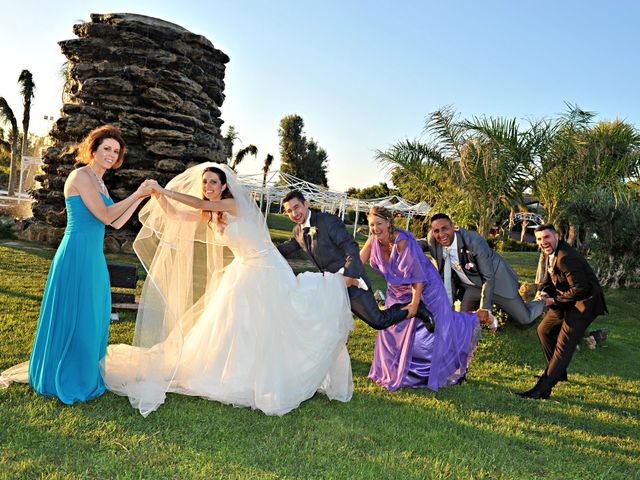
[257, 336]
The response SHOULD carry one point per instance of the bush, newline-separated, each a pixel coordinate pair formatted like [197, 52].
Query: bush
[6, 227]
[612, 231]
[511, 245]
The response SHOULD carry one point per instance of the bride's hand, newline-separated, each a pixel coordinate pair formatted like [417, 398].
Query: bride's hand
[483, 316]
[411, 309]
[486, 317]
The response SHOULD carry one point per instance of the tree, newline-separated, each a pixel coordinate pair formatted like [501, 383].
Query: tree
[243, 152]
[555, 172]
[7, 115]
[472, 169]
[228, 140]
[5, 146]
[27, 89]
[293, 144]
[300, 157]
[265, 168]
[380, 190]
[612, 227]
[315, 165]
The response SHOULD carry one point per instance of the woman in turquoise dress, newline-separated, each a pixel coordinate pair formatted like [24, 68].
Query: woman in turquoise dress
[73, 326]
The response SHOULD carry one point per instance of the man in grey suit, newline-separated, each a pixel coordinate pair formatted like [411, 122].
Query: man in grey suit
[476, 275]
[323, 237]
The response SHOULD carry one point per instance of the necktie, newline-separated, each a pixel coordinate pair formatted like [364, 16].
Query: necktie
[447, 273]
[305, 236]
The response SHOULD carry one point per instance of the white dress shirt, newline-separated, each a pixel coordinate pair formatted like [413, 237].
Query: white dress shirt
[452, 251]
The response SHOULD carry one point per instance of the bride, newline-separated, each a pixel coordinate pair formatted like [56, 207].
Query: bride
[222, 316]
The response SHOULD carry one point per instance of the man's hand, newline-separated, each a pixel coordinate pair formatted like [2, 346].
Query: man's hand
[349, 281]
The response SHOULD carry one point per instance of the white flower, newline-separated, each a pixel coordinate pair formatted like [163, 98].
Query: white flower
[312, 232]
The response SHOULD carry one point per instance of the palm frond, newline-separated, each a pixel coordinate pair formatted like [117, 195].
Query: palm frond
[27, 86]
[7, 114]
[267, 163]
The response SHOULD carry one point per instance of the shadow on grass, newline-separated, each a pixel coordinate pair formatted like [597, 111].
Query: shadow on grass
[38, 250]
[14, 294]
[395, 435]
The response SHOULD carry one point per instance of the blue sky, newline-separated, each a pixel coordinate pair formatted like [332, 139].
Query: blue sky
[363, 74]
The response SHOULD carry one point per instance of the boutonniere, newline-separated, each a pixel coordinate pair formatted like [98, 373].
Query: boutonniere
[468, 266]
[312, 232]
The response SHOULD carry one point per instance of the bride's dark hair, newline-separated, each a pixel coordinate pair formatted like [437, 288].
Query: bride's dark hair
[225, 193]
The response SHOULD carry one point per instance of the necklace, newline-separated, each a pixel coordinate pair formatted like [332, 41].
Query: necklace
[389, 246]
[102, 185]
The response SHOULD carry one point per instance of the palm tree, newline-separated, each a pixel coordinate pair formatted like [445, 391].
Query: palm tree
[265, 168]
[471, 169]
[4, 145]
[248, 150]
[228, 140]
[27, 89]
[7, 115]
[555, 172]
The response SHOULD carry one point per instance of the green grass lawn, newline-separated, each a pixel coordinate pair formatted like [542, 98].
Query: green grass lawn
[477, 430]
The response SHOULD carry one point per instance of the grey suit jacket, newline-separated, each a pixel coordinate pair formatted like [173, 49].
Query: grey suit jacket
[329, 248]
[484, 267]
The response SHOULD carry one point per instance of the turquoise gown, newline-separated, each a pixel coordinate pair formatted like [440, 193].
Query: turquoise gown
[71, 337]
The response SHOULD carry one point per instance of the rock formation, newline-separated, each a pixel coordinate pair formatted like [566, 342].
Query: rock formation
[159, 83]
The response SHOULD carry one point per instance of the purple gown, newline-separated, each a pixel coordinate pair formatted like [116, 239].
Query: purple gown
[406, 354]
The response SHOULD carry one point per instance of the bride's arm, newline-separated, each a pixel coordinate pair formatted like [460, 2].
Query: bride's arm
[224, 205]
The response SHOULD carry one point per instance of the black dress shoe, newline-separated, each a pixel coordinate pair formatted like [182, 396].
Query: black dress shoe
[426, 316]
[534, 394]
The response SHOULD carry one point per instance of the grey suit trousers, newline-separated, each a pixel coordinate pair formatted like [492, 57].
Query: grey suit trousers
[523, 313]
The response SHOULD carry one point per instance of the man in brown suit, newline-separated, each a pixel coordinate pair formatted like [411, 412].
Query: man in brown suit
[574, 298]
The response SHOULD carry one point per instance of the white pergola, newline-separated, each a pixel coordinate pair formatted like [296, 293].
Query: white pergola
[278, 184]
[29, 166]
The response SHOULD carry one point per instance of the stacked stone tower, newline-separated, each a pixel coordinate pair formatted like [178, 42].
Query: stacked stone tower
[159, 83]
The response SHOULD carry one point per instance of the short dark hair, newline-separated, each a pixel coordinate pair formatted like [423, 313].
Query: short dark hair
[294, 194]
[440, 216]
[547, 226]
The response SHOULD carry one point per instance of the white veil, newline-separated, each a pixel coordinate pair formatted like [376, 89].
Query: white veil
[184, 260]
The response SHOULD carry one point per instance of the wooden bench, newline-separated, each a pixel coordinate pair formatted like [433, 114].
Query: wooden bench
[123, 276]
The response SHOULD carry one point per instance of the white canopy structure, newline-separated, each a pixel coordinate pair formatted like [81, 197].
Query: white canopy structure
[278, 184]
[29, 167]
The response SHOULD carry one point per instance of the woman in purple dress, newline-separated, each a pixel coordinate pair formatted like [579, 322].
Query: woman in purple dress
[406, 354]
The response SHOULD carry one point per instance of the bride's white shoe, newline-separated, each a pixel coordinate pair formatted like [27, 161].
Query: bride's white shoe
[494, 323]
[489, 320]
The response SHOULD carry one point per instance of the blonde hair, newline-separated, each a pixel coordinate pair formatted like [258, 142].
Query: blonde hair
[94, 139]
[384, 213]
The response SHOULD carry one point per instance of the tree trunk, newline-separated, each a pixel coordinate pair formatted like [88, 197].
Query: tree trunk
[523, 233]
[573, 237]
[25, 127]
[15, 158]
[507, 233]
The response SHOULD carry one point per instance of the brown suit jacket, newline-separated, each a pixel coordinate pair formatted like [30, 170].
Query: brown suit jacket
[572, 282]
